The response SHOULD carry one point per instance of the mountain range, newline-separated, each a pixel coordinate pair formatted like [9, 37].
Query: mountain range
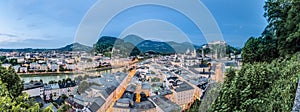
[70, 47]
[158, 46]
[130, 43]
[106, 43]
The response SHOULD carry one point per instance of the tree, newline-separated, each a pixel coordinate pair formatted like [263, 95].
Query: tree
[284, 20]
[78, 78]
[85, 77]
[83, 86]
[41, 80]
[231, 49]
[90, 60]
[64, 82]
[124, 70]
[260, 87]
[262, 49]
[51, 97]
[64, 97]
[2, 59]
[18, 104]
[44, 97]
[13, 61]
[271, 69]
[107, 54]
[210, 96]
[52, 82]
[14, 84]
[206, 50]
[59, 82]
[64, 108]
[68, 79]
[281, 37]
[194, 107]
[48, 109]
[155, 79]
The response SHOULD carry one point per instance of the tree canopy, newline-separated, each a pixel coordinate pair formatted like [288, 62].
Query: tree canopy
[268, 78]
[20, 103]
[11, 97]
[260, 87]
[13, 82]
[281, 37]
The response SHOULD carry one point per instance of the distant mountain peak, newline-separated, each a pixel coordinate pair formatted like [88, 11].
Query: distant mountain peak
[76, 47]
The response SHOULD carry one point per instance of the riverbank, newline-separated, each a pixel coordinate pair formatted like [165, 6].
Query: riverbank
[55, 77]
[65, 72]
[50, 76]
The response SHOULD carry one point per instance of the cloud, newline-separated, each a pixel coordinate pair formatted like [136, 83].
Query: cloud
[24, 23]
[8, 35]
[14, 38]
[9, 39]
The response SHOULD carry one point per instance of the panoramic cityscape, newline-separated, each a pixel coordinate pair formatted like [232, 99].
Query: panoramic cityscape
[149, 56]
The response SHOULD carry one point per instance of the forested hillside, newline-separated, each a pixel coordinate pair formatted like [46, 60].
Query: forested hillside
[271, 65]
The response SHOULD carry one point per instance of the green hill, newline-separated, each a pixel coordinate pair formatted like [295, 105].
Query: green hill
[114, 46]
[75, 47]
[106, 44]
[135, 40]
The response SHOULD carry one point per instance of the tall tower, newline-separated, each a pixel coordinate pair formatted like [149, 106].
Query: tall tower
[194, 53]
[27, 55]
[187, 51]
[138, 92]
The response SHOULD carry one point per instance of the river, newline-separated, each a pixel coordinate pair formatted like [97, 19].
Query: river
[48, 77]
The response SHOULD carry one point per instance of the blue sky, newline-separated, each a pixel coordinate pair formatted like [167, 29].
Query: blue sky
[53, 23]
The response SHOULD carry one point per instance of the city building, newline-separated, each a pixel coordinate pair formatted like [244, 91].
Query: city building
[164, 105]
[33, 89]
[184, 95]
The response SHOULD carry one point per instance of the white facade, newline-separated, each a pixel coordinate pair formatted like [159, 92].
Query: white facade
[33, 92]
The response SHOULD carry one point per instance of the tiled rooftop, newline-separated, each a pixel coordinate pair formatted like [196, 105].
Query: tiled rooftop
[145, 105]
[183, 87]
[96, 104]
[165, 104]
[33, 85]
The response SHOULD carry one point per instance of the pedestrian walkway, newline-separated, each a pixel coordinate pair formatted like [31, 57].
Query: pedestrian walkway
[296, 107]
[219, 74]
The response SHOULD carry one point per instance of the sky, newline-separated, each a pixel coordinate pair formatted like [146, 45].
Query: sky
[54, 23]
